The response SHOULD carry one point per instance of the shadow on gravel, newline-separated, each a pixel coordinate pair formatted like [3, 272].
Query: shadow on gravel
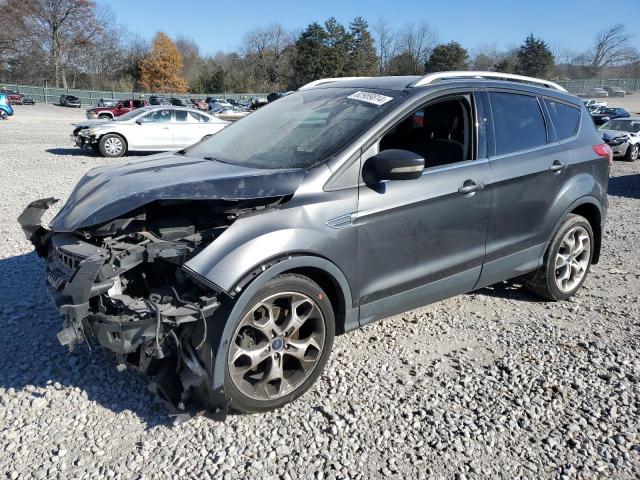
[78, 152]
[30, 354]
[625, 186]
[511, 290]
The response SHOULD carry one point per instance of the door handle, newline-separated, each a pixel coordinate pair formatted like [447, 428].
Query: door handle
[556, 167]
[470, 187]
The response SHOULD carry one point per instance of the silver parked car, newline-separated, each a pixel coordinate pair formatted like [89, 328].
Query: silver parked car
[155, 128]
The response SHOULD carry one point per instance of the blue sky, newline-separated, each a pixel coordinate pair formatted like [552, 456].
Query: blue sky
[220, 25]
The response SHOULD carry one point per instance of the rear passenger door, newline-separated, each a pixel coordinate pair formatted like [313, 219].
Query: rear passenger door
[529, 168]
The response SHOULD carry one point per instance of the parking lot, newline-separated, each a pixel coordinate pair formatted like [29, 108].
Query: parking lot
[496, 383]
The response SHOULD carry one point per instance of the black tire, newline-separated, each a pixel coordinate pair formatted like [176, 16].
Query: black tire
[3, 115]
[632, 153]
[105, 116]
[105, 143]
[282, 283]
[543, 281]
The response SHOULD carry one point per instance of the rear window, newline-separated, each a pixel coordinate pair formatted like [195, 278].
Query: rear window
[565, 118]
[518, 122]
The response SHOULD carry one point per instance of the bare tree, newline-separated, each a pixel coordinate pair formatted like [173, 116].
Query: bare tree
[486, 57]
[385, 40]
[610, 47]
[415, 43]
[266, 54]
[57, 28]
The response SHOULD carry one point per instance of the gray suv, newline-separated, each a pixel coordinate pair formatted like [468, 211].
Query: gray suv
[224, 271]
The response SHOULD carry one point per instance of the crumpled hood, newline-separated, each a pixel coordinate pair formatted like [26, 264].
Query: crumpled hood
[109, 192]
[93, 123]
[611, 134]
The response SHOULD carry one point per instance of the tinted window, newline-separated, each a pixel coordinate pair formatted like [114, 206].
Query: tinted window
[181, 116]
[518, 122]
[564, 117]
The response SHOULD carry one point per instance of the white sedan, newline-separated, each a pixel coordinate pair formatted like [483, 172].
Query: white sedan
[154, 129]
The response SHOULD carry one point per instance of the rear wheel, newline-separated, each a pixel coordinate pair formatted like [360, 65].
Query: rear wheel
[632, 153]
[3, 115]
[112, 145]
[280, 344]
[104, 116]
[566, 262]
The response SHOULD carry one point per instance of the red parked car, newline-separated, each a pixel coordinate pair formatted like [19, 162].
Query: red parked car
[14, 97]
[120, 108]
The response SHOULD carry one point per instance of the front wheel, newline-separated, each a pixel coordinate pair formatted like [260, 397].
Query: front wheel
[632, 153]
[112, 145]
[280, 344]
[566, 262]
[3, 115]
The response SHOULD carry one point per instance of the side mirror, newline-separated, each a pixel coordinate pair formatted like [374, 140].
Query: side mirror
[393, 164]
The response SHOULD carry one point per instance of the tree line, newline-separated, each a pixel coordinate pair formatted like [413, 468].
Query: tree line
[77, 44]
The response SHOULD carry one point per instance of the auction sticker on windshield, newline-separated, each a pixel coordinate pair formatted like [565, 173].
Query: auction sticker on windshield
[369, 97]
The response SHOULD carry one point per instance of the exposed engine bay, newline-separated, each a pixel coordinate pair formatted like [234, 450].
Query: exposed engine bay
[121, 284]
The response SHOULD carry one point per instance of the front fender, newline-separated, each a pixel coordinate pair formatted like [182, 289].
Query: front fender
[224, 330]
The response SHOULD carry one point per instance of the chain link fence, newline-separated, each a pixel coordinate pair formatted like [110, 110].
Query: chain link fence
[43, 94]
[630, 85]
[91, 97]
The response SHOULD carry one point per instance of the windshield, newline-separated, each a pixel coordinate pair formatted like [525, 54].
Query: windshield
[622, 125]
[300, 130]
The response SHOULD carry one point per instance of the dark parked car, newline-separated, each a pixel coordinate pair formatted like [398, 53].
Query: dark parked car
[623, 136]
[225, 270]
[69, 101]
[28, 101]
[178, 102]
[157, 100]
[605, 114]
[614, 91]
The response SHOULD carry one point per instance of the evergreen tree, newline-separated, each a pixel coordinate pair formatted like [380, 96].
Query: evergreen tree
[447, 57]
[363, 58]
[535, 59]
[336, 47]
[311, 61]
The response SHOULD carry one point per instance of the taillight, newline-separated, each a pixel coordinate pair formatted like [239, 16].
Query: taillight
[604, 150]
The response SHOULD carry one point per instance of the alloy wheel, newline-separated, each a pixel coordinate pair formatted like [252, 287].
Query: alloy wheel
[635, 150]
[572, 259]
[276, 346]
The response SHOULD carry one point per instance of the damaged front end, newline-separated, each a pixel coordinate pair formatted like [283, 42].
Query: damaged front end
[121, 283]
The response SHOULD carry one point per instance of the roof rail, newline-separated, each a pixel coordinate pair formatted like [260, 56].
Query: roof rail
[432, 77]
[327, 80]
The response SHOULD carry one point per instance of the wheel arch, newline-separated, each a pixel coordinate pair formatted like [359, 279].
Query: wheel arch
[591, 209]
[319, 269]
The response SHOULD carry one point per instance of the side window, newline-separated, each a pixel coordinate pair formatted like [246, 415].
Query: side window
[565, 118]
[137, 103]
[159, 116]
[518, 122]
[126, 104]
[182, 116]
[196, 117]
[439, 132]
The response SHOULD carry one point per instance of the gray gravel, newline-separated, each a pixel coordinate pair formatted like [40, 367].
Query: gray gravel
[492, 384]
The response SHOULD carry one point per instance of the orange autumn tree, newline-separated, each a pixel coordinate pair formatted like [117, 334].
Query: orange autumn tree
[160, 69]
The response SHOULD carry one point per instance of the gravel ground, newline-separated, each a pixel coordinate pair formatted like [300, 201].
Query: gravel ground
[494, 384]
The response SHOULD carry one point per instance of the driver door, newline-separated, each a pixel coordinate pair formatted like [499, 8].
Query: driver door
[423, 240]
[153, 132]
